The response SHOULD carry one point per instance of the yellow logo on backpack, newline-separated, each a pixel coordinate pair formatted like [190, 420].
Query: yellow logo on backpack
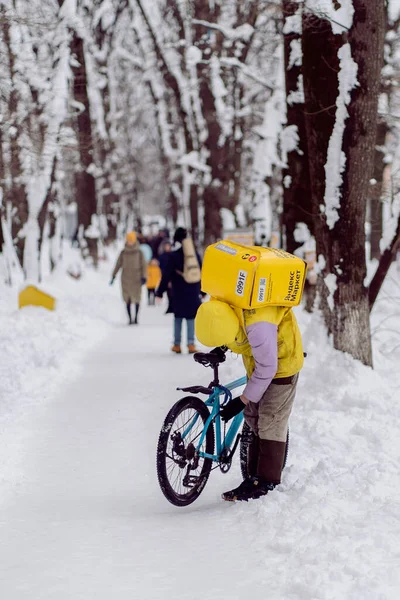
[191, 268]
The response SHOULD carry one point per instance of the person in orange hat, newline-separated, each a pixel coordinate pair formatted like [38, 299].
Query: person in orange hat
[133, 275]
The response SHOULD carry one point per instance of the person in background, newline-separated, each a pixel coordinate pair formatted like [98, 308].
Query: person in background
[163, 259]
[153, 280]
[156, 242]
[164, 256]
[145, 247]
[185, 296]
[133, 276]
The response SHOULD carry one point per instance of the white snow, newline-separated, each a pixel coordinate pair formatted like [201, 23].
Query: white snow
[83, 398]
[330, 281]
[336, 158]
[297, 96]
[289, 139]
[287, 181]
[394, 9]
[296, 54]
[193, 160]
[94, 229]
[193, 55]
[293, 24]
[243, 32]
[339, 14]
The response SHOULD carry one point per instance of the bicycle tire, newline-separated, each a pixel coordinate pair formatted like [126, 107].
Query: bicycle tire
[245, 440]
[166, 442]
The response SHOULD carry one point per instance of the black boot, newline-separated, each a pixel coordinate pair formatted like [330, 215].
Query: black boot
[250, 489]
[271, 455]
[128, 310]
[136, 314]
[270, 460]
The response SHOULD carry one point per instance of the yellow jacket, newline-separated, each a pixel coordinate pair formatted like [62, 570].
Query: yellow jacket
[290, 348]
[153, 277]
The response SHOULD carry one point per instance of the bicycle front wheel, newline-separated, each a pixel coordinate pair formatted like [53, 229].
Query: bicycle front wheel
[182, 473]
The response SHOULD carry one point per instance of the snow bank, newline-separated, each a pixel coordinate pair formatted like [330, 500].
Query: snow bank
[87, 519]
[42, 350]
[36, 345]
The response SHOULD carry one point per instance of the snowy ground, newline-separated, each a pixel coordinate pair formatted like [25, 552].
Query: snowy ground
[82, 399]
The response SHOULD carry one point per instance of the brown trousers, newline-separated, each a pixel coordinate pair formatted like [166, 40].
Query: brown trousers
[269, 417]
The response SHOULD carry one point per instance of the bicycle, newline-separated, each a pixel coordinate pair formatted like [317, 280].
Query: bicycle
[191, 429]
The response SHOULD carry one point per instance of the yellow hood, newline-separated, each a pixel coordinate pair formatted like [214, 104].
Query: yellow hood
[216, 324]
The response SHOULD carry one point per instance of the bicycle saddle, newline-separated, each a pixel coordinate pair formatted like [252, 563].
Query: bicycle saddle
[208, 359]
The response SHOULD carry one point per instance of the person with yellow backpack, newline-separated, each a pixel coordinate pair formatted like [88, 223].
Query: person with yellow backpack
[182, 273]
[269, 341]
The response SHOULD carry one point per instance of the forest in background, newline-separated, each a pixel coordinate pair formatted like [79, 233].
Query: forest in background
[274, 115]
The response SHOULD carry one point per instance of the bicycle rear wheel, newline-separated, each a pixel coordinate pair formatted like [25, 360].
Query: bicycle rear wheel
[247, 436]
[182, 473]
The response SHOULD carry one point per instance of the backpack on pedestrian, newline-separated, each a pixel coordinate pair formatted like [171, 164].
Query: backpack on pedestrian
[191, 269]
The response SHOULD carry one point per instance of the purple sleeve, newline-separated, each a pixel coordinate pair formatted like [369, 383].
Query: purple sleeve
[263, 339]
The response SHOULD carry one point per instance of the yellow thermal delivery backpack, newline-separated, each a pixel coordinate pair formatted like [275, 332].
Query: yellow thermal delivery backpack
[252, 276]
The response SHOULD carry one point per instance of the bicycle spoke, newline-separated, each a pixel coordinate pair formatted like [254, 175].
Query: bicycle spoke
[180, 468]
[175, 472]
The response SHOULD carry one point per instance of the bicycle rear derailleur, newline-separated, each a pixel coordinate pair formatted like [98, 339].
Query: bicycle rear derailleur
[185, 457]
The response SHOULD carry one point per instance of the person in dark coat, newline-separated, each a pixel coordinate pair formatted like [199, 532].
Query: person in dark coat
[165, 254]
[186, 297]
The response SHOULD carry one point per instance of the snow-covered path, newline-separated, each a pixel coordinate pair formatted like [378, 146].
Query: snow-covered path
[84, 518]
[87, 520]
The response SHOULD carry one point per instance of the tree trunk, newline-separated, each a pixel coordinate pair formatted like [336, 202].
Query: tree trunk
[224, 152]
[47, 215]
[340, 231]
[185, 116]
[297, 201]
[376, 191]
[84, 180]
[194, 213]
[214, 190]
[15, 192]
[1, 230]
[320, 78]
[212, 215]
[352, 327]
[2, 189]
[173, 207]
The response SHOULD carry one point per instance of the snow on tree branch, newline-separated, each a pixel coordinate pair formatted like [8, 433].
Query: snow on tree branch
[236, 63]
[243, 32]
[340, 14]
[336, 159]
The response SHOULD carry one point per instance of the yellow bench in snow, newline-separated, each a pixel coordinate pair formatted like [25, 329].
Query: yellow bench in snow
[32, 296]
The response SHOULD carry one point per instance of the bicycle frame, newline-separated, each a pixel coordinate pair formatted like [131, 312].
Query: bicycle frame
[214, 402]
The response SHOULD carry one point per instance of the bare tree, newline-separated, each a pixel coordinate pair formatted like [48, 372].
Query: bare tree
[297, 204]
[85, 181]
[14, 193]
[104, 27]
[341, 84]
[35, 105]
[202, 60]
